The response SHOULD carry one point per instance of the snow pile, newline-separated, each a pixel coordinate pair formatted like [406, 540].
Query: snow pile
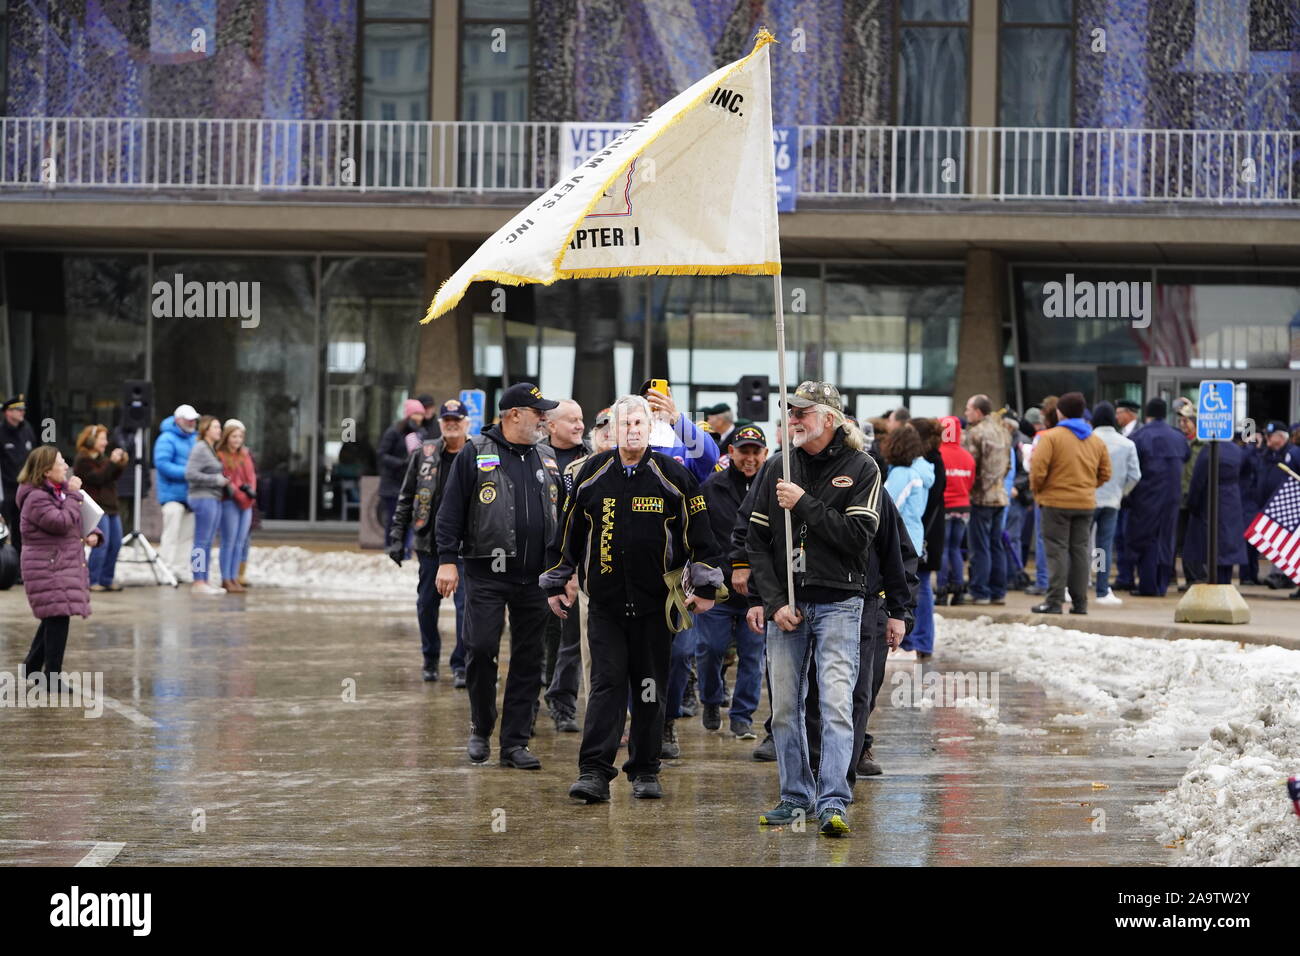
[1231, 806]
[324, 572]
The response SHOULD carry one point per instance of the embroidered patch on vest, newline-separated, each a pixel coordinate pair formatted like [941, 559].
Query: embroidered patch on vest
[842, 481]
[695, 504]
[487, 494]
[487, 462]
[648, 504]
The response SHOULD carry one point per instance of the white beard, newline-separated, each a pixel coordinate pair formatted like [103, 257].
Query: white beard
[808, 435]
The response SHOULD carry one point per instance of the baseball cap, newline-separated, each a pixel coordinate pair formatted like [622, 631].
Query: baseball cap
[451, 408]
[602, 418]
[718, 409]
[816, 393]
[428, 401]
[1129, 404]
[525, 395]
[18, 401]
[748, 435]
[185, 413]
[1275, 426]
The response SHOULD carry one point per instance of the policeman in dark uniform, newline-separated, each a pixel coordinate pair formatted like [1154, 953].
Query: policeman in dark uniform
[634, 517]
[498, 513]
[417, 509]
[16, 442]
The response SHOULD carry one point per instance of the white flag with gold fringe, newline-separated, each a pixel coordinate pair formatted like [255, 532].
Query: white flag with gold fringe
[689, 190]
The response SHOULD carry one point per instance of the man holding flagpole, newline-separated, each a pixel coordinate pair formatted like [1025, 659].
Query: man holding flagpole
[833, 495]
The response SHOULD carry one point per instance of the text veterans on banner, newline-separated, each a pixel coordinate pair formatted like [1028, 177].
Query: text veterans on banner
[687, 190]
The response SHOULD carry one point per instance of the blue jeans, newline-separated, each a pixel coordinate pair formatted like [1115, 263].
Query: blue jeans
[1104, 520]
[954, 532]
[988, 565]
[1015, 524]
[686, 644]
[828, 634]
[717, 628]
[207, 515]
[922, 636]
[1040, 551]
[103, 560]
[235, 522]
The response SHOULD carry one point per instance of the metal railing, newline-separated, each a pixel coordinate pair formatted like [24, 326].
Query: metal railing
[835, 162]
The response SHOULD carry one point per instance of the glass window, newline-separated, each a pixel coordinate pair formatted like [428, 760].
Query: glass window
[1036, 69]
[943, 11]
[77, 331]
[1037, 11]
[396, 70]
[408, 9]
[1050, 326]
[932, 76]
[494, 62]
[496, 10]
[264, 374]
[371, 346]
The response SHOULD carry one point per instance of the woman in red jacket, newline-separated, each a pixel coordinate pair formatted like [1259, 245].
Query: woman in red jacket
[237, 510]
[54, 561]
[959, 468]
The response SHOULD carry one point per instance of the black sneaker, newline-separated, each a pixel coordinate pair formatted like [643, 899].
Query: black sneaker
[478, 748]
[429, 673]
[521, 758]
[766, 751]
[782, 815]
[1046, 608]
[712, 717]
[458, 677]
[833, 822]
[590, 787]
[670, 749]
[646, 787]
[564, 723]
[867, 766]
[742, 729]
[1078, 609]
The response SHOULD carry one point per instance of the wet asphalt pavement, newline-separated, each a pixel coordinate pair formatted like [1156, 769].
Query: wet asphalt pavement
[228, 741]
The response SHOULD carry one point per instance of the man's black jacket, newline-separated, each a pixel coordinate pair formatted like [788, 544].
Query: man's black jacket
[622, 533]
[723, 492]
[420, 496]
[835, 521]
[891, 562]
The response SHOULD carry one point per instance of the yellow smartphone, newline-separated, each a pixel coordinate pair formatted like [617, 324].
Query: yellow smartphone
[660, 385]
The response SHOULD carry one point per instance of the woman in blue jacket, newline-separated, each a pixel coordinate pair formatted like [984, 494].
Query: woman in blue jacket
[908, 483]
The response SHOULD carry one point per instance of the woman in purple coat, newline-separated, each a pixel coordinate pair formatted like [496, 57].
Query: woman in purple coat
[54, 562]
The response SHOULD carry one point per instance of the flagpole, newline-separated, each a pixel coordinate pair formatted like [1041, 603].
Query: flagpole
[783, 432]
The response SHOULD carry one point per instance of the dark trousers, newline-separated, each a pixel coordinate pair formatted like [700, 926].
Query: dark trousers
[1123, 559]
[562, 687]
[486, 600]
[427, 603]
[47, 648]
[1065, 537]
[1250, 570]
[872, 651]
[1193, 571]
[9, 511]
[629, 664]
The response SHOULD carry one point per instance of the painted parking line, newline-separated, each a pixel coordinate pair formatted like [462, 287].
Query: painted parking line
[129, 712]
[101, 854]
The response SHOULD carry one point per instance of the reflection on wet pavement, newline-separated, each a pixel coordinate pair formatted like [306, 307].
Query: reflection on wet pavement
[257, 758]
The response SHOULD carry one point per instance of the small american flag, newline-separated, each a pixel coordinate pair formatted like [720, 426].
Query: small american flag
[1275, 532]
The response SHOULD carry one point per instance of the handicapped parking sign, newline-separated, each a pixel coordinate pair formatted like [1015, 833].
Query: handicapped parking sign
[473, 399]
[1214, 411]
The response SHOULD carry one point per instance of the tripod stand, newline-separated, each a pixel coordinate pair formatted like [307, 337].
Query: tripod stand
[138, 543]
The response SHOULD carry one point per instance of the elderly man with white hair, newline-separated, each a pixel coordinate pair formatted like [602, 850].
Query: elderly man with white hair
[634, 518]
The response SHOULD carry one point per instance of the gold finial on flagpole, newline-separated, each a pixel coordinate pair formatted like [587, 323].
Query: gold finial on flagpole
[763, 38]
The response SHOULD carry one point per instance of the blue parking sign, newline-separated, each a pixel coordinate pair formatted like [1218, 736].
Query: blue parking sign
[1214, 411]
[473, 399]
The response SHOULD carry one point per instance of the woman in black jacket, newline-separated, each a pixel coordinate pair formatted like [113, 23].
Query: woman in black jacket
[921, 639]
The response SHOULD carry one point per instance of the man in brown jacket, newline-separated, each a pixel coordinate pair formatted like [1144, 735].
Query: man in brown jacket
[1066, 470]
[989, 443]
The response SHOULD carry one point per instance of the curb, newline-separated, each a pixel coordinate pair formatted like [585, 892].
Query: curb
[1114, 628]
